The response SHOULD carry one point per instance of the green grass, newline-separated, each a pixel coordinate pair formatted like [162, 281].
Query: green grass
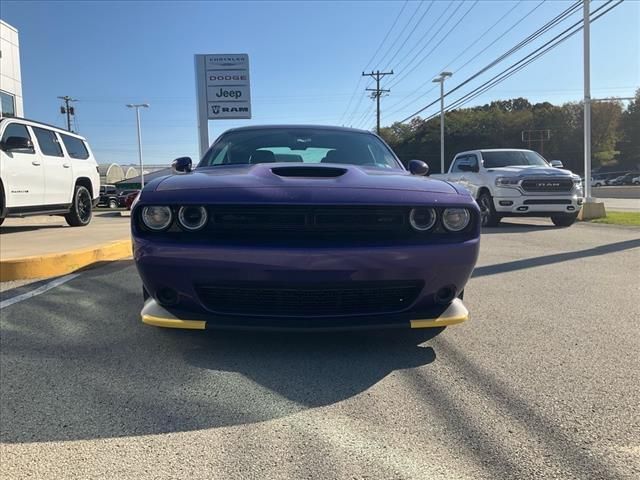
[620, 218]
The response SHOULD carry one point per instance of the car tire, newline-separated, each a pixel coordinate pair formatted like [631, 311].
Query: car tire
[81, 208]
[488, 214]
[113, 203]
[564, 219]
[145, 294]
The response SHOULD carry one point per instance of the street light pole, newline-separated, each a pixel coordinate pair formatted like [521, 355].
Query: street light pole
[441, 80]
[137, 106]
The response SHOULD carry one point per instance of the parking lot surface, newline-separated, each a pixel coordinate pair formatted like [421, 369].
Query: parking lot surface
[42, 235]
[542, 382]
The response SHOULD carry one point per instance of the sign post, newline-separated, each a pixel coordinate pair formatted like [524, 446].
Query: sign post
[223, 91]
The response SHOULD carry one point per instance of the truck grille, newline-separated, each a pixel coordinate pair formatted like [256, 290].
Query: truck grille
[351, 298]
[547, 185]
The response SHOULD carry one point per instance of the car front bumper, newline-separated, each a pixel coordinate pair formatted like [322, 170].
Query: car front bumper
[183, 267]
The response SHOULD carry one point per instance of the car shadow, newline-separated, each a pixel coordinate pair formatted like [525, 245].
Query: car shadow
[518, 227]
[77, 367]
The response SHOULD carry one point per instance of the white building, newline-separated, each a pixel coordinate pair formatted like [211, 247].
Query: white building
[10, 78]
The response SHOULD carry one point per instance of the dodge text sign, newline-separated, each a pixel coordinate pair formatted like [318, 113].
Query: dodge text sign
[227, 93]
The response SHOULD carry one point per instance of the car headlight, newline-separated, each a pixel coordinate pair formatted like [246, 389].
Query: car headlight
[422, 219]
[507, 181]
[157, 217]
[455, 219]
[192, 218]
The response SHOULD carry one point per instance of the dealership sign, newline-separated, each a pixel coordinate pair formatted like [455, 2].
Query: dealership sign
[223, 90]
[228, 95]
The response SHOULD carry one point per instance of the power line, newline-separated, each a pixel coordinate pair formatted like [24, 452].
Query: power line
[402, 30]
[562, 16]
[465, 50]
[355, 90]
[410, 71]
[505, 74]
[411, 33]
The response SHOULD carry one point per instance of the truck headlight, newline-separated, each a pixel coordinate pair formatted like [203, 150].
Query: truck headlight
[507, 181]
[157, 217]
[455, 219]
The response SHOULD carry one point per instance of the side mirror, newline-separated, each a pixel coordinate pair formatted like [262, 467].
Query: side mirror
[17, 143]
[418, 167]
[182, 164]
[556, 163]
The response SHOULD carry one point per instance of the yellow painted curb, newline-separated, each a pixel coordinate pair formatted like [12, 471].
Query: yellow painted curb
[54, 264]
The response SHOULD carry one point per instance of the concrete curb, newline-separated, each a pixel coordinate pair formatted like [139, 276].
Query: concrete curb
[54, 264]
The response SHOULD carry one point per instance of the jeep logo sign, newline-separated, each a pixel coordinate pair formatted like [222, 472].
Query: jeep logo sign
[223, 86]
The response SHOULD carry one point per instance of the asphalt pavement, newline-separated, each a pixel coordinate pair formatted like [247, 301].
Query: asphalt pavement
[542, 382]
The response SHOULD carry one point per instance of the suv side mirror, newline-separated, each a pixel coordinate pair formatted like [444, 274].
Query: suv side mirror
[556, 163]
[418, 167]
[17, 143]
[182, 164]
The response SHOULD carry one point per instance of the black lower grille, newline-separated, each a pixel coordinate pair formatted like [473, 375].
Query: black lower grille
[289, 300]
[547, 202]
[548, 185]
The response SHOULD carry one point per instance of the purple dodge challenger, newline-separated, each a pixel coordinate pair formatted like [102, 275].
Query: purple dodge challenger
[303, 227]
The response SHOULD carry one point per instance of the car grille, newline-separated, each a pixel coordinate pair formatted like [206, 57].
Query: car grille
[547, 185]
[322, 300]
[297, 218]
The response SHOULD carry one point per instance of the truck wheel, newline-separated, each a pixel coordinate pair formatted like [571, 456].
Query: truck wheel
[564, 219]
[81, 208]
[488, 214]
[113, 203]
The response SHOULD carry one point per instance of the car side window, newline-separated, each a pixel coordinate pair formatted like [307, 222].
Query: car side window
[75, 147]
[473, 161]
[48, 142]
[17, 130]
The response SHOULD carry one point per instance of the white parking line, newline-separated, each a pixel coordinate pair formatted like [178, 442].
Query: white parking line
[38, 291]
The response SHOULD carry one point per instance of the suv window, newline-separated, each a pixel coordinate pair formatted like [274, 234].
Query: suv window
[17, 130]
[75, 147]
[48, 142]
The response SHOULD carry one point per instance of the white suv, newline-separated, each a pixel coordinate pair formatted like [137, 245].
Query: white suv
[45, 170]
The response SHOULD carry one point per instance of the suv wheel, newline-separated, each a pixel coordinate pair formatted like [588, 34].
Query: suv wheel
[113, 203]
[488, 214]
[564, 219]
[81, 208]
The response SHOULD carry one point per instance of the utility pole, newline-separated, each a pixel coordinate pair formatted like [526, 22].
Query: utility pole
[377, 92]
[587, 102]
[440, 79]
[68, 110]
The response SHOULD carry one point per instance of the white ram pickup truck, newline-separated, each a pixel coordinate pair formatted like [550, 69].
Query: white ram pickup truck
[517, 183]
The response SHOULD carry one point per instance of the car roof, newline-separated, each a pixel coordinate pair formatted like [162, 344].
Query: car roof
[291, 126]
[482, 150]
[42, 124]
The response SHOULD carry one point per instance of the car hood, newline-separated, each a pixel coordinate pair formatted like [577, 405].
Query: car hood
[529, 170]
[288, 176]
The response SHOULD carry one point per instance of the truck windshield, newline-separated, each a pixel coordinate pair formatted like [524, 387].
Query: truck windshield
[512, 158]
[299, 145]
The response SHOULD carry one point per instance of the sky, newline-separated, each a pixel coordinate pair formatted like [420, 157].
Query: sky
[306, 61]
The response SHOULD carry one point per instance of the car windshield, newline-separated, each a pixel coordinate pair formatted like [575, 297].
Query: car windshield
[512, 158]
[300, 145]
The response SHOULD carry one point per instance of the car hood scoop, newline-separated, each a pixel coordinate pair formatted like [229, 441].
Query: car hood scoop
[309, 172]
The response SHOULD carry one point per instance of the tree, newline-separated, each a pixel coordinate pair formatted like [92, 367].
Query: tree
[629, 145]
